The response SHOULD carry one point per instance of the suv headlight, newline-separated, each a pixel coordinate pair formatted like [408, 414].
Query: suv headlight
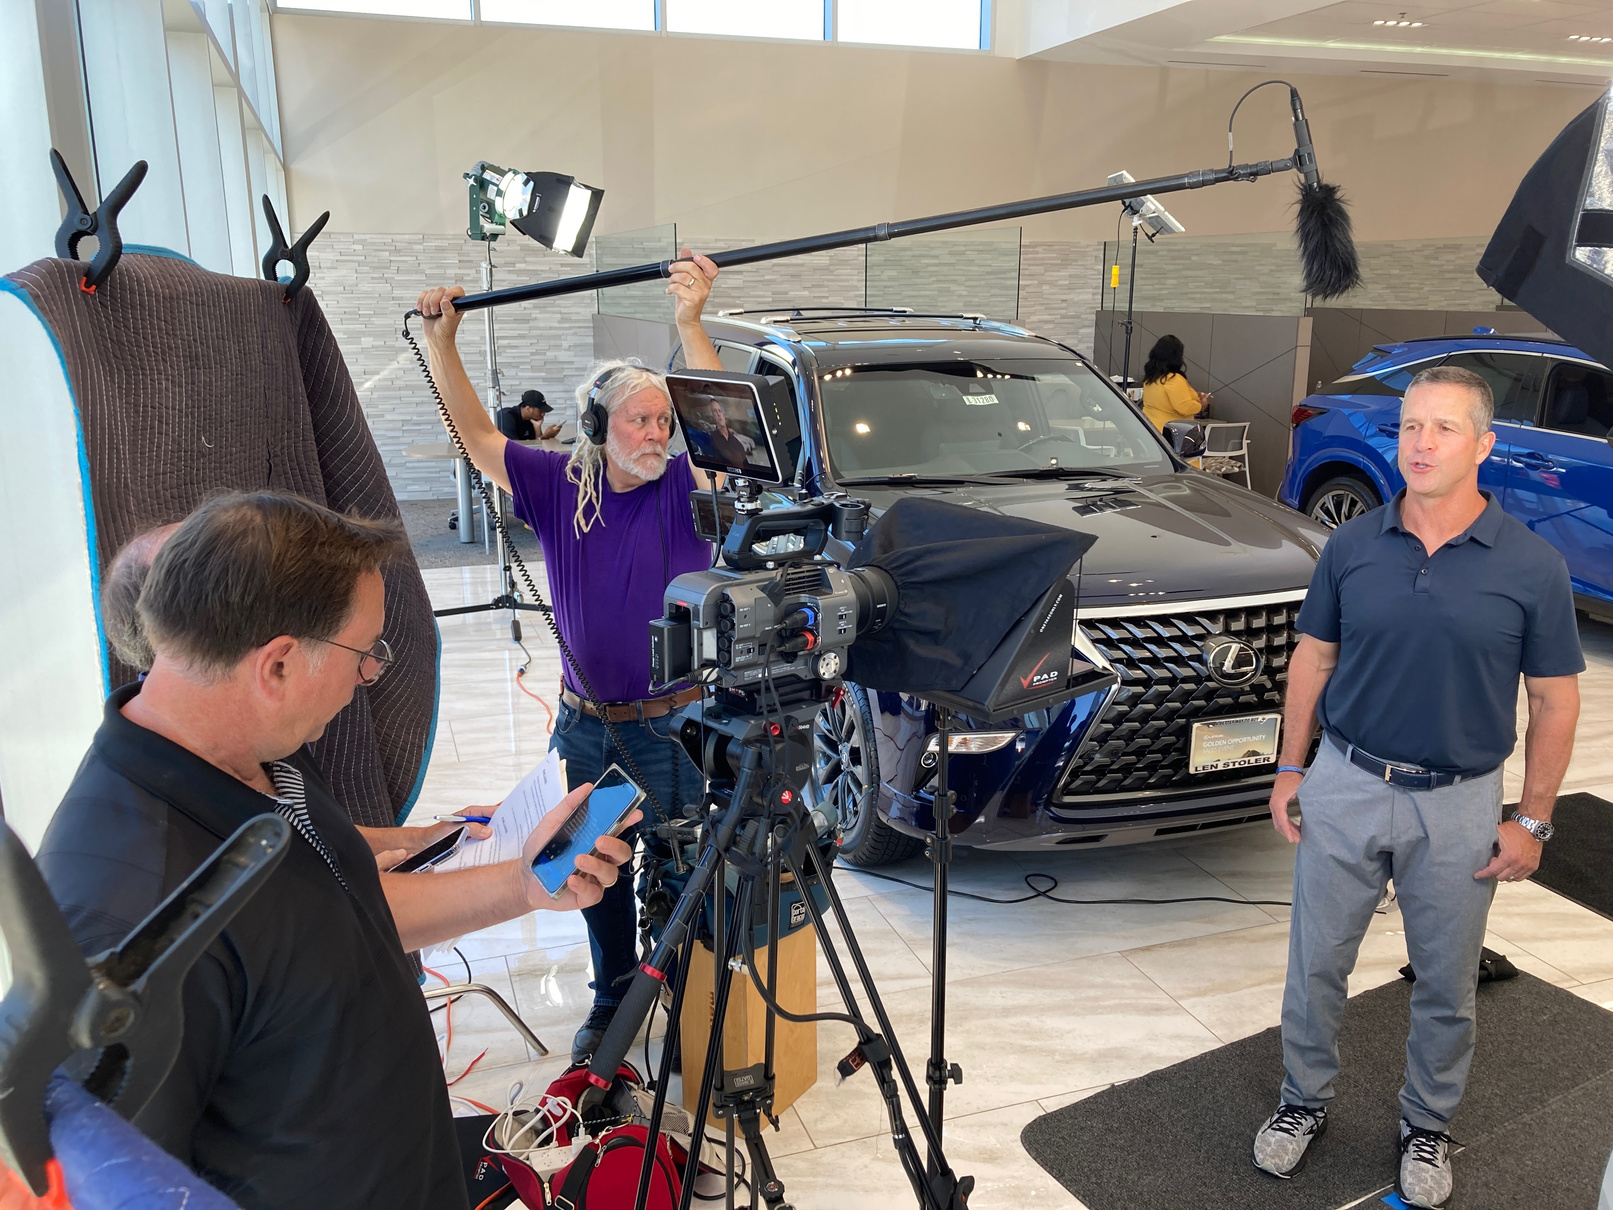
[974, 742]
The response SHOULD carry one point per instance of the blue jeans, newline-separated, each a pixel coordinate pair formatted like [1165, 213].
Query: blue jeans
[587, 750]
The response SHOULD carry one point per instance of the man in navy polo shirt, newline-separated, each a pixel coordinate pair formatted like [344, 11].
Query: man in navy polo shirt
[1420, 618]
[616, 528]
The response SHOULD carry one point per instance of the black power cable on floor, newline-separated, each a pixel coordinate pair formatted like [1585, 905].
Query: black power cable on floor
[1047, 893]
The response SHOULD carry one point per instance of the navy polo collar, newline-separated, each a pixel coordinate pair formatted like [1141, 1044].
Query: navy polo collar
[214, 799]
[1485, 528]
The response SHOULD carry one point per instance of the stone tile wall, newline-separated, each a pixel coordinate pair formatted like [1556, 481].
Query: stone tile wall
[1260, 275]
[366, 282]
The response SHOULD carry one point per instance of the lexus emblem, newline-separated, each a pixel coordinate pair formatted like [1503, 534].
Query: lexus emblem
[1232, 662]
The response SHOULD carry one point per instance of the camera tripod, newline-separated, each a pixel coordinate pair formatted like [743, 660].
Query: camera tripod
[759, 825]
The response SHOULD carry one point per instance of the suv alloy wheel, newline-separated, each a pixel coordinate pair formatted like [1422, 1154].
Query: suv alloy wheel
[845, 762]
[1340, 500]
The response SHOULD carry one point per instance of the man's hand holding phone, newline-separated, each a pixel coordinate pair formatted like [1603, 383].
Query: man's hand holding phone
[593, 871]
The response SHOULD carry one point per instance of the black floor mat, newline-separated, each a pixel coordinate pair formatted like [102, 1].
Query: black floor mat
[1577, 862]
[1180, 1138]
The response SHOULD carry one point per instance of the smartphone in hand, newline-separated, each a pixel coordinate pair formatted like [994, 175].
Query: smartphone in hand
[613, 798]
[430, 855]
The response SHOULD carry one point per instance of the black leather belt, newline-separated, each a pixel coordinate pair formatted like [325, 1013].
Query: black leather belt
[633, 712]
[1407, 777]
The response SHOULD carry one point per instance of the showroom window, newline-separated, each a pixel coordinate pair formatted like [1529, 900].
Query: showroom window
[454, 10]
[802, 19]
[937, 24]
[947, 24]
[596, 14]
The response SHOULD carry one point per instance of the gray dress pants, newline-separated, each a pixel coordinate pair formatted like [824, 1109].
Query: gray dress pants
[1357, 832]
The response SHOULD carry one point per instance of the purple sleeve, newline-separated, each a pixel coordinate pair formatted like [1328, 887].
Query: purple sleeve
[534, 477]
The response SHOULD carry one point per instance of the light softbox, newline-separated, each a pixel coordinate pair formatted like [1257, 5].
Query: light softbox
[977, 596]
[1553, 252]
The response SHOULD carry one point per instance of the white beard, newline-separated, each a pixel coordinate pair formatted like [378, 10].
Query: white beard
[647, 464]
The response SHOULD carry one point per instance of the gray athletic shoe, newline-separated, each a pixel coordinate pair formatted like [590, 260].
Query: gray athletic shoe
[1425, 1167]
[1280, 1145]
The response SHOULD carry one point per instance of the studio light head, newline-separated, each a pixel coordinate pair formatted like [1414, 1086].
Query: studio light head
[1145, 211]
[556, 210]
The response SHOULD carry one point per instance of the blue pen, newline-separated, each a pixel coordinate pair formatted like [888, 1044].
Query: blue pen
[463, 818]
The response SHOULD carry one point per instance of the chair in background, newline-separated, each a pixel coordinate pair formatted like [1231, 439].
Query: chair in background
[1226, 450]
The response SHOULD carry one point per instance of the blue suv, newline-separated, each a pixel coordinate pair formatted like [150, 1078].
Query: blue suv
[1552, 466]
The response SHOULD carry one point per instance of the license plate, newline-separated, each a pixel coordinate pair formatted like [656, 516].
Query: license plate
[1234, 743]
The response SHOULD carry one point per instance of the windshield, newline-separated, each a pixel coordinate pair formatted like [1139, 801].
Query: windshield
[981, 418]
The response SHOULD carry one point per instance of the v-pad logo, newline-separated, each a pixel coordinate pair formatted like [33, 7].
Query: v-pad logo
[1037, 677]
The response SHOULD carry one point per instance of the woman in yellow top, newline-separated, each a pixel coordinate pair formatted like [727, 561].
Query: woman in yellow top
[1166, 393]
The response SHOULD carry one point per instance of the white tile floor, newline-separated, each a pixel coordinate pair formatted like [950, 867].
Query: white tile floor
[1047, 1003]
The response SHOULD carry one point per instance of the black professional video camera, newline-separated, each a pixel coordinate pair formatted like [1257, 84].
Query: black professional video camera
[779, 615]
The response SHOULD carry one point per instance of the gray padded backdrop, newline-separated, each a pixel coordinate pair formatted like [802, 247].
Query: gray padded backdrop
[190, 382]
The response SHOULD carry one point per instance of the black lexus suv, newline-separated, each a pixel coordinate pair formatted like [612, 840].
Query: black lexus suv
[1189, 594]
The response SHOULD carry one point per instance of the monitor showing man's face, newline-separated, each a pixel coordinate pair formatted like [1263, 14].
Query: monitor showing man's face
[723, 426]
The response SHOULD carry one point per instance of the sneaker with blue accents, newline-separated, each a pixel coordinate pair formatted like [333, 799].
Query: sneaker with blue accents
[1283, 1142]
[1425, 1167]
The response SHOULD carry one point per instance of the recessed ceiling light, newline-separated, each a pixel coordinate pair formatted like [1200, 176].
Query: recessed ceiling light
[1401, 23]
[1588, 38]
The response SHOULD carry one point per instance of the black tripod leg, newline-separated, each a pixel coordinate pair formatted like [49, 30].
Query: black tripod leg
[765, 1183]
[663, 1076]
[942, 1191]
[646, 985]
[726, 927]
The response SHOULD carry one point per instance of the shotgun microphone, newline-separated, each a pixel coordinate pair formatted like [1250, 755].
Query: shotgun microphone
[1304, 151]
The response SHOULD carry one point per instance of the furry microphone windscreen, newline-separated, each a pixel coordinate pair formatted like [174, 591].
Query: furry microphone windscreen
[1326, 246]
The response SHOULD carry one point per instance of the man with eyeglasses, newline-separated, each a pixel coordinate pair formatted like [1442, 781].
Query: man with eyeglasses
[308, 1074]
[121, 583]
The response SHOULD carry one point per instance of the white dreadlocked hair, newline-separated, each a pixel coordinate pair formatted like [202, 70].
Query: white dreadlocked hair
[586, 467]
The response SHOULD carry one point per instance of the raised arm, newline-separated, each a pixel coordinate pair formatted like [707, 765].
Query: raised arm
[483, 442]
[690, 286]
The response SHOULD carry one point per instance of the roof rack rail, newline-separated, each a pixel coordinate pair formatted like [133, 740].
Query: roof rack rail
[894, 312]
[1542, 336]
[784, 310]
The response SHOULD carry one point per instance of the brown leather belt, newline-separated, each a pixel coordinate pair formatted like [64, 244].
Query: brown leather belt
[632, 712]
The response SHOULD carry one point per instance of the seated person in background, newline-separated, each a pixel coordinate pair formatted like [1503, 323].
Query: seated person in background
[120, 593]
[308, 1074]
[1166, 393]
[525, 421]
[120, 618]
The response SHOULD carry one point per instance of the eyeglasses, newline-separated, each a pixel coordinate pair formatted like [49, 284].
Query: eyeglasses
[380, 653]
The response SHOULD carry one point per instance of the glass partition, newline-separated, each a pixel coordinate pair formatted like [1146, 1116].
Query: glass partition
[1255, 274]
[647, 300]
[951, 273]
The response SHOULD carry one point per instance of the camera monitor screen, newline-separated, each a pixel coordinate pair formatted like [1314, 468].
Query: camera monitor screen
[737, 424]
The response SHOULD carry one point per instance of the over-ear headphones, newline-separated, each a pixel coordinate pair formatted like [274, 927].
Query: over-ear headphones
[594, 423]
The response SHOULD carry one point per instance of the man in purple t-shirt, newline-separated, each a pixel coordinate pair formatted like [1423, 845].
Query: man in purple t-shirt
[616, 528]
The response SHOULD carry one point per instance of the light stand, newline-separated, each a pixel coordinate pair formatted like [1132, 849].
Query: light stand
[482, 228]
[1131, 293]
[1152, 219]
[939, 1072]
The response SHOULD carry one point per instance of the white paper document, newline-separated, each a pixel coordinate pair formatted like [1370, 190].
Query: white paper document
[536, 794]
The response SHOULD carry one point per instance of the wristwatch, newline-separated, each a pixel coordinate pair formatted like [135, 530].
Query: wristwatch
[1538, 828]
